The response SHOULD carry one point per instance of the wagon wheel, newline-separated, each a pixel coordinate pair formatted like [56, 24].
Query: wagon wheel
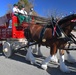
[7, 51]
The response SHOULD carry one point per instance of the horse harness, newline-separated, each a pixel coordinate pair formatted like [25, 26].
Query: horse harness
[56, 30]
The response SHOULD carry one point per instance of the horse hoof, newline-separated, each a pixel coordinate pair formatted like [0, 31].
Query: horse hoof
[43, 66]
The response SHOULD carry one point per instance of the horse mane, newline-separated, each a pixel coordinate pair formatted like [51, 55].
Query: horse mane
[67, 18]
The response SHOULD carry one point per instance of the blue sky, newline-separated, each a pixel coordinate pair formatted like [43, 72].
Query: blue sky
[42, 6]
[4, 5]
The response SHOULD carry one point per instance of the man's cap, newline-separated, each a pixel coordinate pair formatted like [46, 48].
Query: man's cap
[15, 5]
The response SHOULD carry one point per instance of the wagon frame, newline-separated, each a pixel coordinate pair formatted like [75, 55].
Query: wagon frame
[12, 38]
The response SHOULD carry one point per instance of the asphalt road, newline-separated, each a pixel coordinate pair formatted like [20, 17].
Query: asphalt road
[17, 65]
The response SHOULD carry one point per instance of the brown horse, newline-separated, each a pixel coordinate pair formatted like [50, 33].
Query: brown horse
[54, 58]
[67, 24]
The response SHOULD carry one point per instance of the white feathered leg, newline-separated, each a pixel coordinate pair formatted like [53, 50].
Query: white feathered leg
[63, 67]
[35, 49]
[45, 62]
[29, 56]
[54, 59]
[70, 58]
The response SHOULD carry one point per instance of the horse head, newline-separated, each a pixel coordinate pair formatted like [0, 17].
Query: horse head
[68, 23]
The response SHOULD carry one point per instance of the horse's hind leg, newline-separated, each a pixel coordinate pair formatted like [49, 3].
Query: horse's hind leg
[63, 67]
[46, 61]
[38, 51]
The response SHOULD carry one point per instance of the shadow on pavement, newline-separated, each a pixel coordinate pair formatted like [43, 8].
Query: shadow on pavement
[53, 68]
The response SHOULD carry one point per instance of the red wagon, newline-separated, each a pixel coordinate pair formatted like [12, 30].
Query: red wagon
[12, 37]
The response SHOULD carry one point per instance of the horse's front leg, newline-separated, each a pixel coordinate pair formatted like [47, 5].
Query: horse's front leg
[63, 67]
[54, 58]
[70, 58]
[53, 51]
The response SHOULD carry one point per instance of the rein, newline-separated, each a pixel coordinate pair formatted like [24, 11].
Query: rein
[73, 38]
[34, 43]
